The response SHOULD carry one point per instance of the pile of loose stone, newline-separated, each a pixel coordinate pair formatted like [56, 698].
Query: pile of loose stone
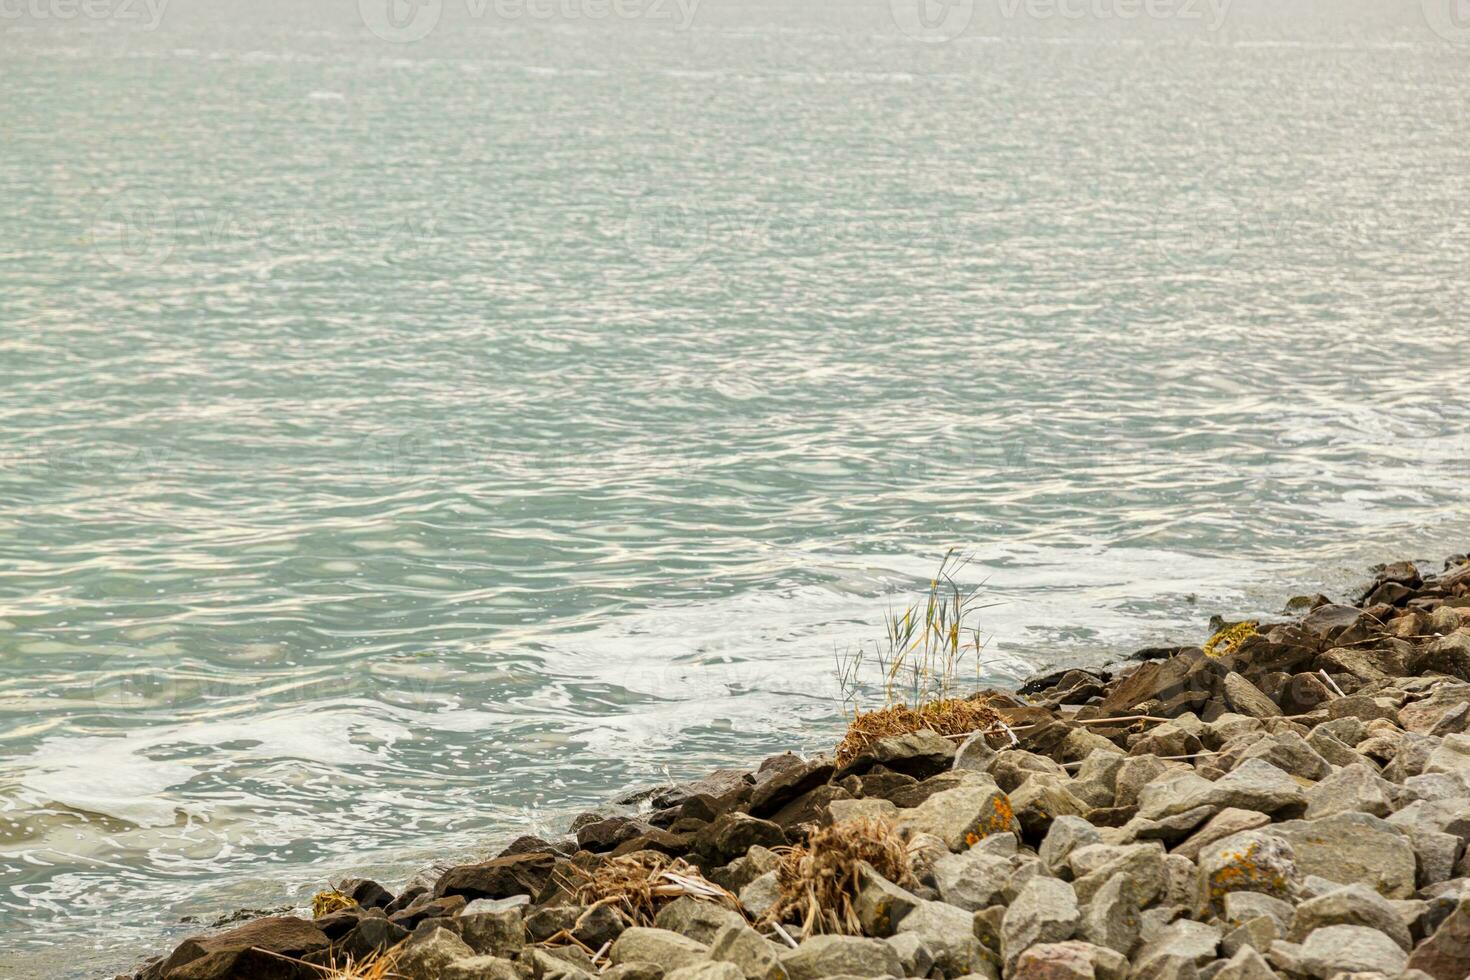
[1298, 808]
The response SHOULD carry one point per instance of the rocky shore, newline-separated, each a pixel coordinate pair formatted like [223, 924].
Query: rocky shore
[1290, 799]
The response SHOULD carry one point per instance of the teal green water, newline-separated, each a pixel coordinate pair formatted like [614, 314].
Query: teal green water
[407, 444]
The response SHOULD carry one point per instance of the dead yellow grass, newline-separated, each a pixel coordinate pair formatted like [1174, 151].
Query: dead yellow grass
[374, 966]
[946, 716]
[327, 902]
[819, 879]
[638, 885]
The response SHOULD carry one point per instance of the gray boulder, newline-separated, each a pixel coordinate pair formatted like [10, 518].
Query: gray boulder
[1045, 911]
[1112, 918]
[963, 816]
[1041, 799]
[1445, 955]
[1258, 933]
[632, 971]
[919, 754]
[1226, 823]
[560, 963]
[1170, 829]
[833, 956]
[1353, 847]
[1096, 781]
[1356, 787]
[1253, 861]
[1351, 949]
[1093, 866]
[916, 957]
[756, 957]
[426, 957]
[1288, 752]
[972, 880]
[1353, 905]
[706, 971]
[493, 933]
[1071, 960]
[1184, 939]
[1334, 750]
[1253, 785]
[696, 918]
[761, 895]
[1133, 775]
[1067, 833]
[1246, 964]
[641, 944]
[481, 968]
[1247, 699]
[974, 754]
[1243, 906]
[882, 905]
[948, 933]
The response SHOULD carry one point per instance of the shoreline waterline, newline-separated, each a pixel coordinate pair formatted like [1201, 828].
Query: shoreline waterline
[1350, 712]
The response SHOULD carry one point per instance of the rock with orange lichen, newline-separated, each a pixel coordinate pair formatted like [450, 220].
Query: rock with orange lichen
[1251, 861]
[963, 816]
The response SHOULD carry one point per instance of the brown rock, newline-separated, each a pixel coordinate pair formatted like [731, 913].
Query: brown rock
[787, 783]
[518, 874]
[366, 892]
[437, 908]
[604, 835]
[1047, 739]
[1449, 654]
[1247, 699]
[370, 936]
[1364, 664]
[732, 834]
[526, 844]
[915, 793]
[1331, 621]
[663, 841]
[808, 808]
[1304, 692]
[1446, 954]
[919, 754]
[244, 953]
[877, 783]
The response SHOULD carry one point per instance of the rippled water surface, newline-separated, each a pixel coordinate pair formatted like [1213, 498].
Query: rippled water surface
[407, 444]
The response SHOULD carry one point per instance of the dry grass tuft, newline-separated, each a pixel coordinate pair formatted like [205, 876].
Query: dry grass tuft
[947, 716]
[919, 663]
[638, 885]
[1229, 639]
[819, 879]
[374, 966]
[327, 902]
